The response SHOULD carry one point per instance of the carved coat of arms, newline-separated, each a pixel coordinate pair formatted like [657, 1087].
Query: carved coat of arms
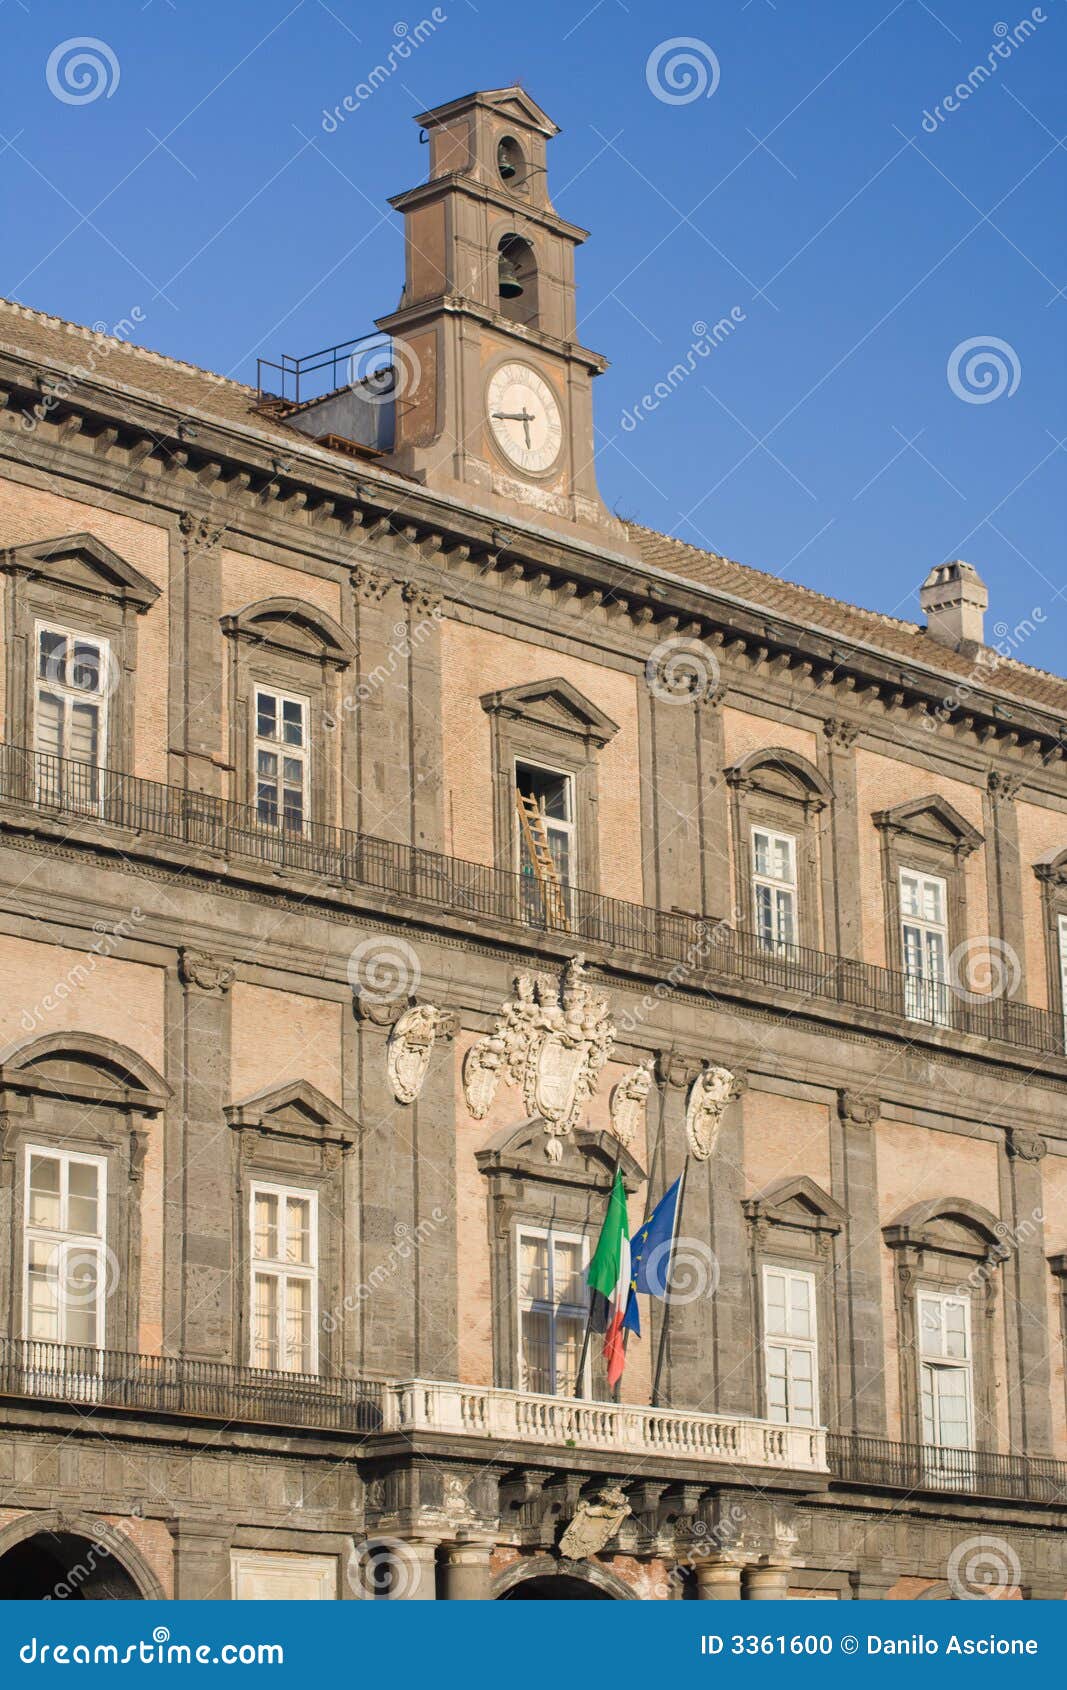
[595, 1522]
[628, 1100]
[709, 1095]
[550, 1045]
[411, 1045]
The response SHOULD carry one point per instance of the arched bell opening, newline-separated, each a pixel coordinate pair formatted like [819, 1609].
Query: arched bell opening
[517, 280]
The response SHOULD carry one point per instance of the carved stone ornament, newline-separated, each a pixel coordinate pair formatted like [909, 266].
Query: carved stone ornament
[551, 1048]
[595, 1522]
[1026, 1146]
[628, 1100]
[411, 1045]
[208, 973]
[709, 1095]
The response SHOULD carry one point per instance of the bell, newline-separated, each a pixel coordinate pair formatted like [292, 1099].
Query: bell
[505, 161]
[510, 285]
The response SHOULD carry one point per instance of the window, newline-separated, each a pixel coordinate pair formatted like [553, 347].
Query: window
[1061, 929]
[790, 1346]
[70, 711]
[945, 1384]
[774, 886]
[553, 1308]
[65, 1219]
[552, 795]
[284, 1269]
[281, 759]
[924, 945]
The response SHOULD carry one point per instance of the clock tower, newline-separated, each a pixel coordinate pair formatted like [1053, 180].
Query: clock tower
[493, 389]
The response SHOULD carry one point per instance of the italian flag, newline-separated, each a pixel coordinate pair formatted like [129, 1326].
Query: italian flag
[609, 1280]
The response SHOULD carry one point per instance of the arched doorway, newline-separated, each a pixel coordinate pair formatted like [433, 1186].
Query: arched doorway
[558, 1588]
[63, 1567]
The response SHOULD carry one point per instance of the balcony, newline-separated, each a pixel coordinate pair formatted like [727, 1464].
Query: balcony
[87, 1378]
[878, 1463]
[696, 952]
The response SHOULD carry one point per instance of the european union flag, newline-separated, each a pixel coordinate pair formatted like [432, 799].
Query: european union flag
[650, 1255]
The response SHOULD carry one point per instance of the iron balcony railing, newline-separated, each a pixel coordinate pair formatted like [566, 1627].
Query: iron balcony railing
[881, 1463]
[80, 1374]
[367, 359]
[690, 950]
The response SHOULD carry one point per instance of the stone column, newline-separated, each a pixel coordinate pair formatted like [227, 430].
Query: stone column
[417, 1571]
[858, 1282]
[201, 1560]
[206, 1173]
[1025, 1272]
[767, 1582]
[718, 1578]
[465, 1572]
[840, 842]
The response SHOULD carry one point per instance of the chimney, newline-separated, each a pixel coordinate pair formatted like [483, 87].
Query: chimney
[954, 600]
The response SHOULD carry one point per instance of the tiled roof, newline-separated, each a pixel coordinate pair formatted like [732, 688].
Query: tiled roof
[183, 386]
[896, 638]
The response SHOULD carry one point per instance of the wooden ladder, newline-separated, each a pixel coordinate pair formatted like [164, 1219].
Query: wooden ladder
[532, 823]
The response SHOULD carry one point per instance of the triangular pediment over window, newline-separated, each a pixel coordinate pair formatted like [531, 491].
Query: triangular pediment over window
[84, 564]
[554, 704]
[297, 1110]
[796, 1202]
[932, 820]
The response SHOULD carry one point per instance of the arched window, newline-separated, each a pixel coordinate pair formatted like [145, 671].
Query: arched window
[517, 280]
[778, 800]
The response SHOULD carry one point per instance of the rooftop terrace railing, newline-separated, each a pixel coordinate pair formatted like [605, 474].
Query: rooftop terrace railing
[694, 951]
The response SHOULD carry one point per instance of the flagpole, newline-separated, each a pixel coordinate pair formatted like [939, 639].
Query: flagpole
[661, 1354]
[583, 1358]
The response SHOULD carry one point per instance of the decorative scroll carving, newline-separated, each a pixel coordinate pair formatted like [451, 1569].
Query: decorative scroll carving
[628, 1100]
[1025, 1146]
[595, 1522]
[857, 1110]
[411, 1045]
[370, 585]
[552, 1048]
[710, 1094]
[206, 972]
[840, 733]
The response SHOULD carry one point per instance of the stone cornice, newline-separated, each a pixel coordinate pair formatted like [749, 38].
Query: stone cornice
[325, 502]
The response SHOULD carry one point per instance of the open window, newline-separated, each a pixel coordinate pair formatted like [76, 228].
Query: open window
[925, 846]
[553, 1306]
[71, 686]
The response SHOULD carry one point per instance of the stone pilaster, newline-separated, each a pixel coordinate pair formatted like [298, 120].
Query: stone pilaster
[388, 1157]
[203, 1072]
[201, 1560]
[839, 855]
[424, 705]
[858, 1286]
[196, 607]
[384, 786]
[1025, 1273]
[434, 1200]
[1004, 876]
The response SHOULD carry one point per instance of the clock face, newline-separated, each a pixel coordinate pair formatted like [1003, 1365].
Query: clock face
[524, 417]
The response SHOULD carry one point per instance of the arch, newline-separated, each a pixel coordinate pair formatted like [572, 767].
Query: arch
[517, 266]
[84, 1067]
[776, 770]
[544, 1578]
[65, 1538]
[950, 1225]
[293, 626]
[588, 1156]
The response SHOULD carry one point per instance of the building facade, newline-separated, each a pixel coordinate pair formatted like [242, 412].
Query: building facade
[394, 844]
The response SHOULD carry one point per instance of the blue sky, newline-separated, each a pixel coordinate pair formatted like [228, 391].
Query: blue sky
[824, 439]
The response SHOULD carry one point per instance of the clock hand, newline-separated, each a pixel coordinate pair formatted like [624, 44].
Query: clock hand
[524, 416]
